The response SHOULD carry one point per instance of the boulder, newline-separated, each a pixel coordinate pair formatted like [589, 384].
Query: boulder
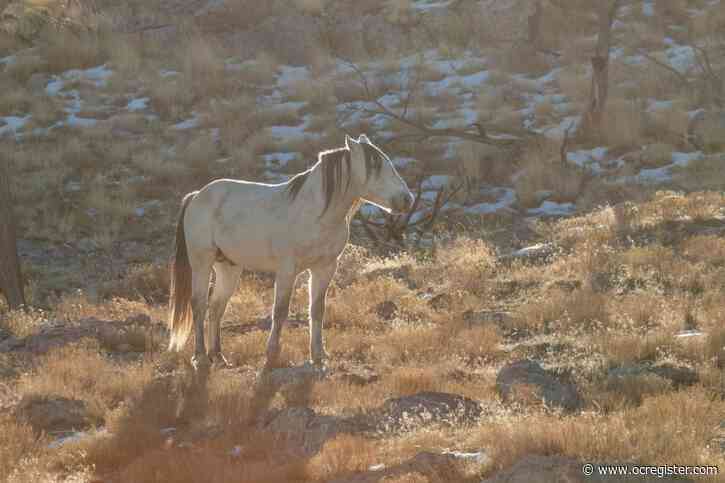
[386, 310]
[679, 376]
[552, 388]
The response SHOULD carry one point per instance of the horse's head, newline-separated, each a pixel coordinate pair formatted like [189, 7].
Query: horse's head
[382, 185]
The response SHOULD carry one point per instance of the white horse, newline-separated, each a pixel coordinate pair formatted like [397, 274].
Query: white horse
[284, 228]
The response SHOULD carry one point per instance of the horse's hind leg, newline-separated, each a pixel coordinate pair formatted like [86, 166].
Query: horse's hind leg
[201, 262]
[227, 276]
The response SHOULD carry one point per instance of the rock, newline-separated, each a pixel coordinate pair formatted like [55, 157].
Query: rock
[11, 343]
[441, 301]
[548, 385]
[560, 469]
[138, 319]
[540, 469]
[386, 310]
[302, 431]
[497, 317]
[54, 414]
[429, 407]
[679, 376]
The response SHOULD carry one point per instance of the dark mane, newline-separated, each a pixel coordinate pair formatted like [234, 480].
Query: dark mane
[331, 166]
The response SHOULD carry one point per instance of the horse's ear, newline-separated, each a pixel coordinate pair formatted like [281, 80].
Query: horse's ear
[363, 139]
[349, 141]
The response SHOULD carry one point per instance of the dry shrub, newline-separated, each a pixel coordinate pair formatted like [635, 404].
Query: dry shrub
[355, 305]
[171, 97]
[204, 66]
[656, 155]
[18, 441]
[25, 66]
[618, 393]
[623, 123]
[715, 346]
[634, 347]
[466, 264]
[66, 50]
[148, 282]
[574, 82]
[22, 323]
[570, 310]
[248, 349]
[343, 455]
[543, 171]
[711, 131]
[639, 310]
[669, 125]
[665, 428]
[78, 371]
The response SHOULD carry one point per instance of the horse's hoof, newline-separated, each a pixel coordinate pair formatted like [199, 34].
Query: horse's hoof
[200, 362]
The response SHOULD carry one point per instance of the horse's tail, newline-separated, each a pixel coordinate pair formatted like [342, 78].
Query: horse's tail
[181, 318]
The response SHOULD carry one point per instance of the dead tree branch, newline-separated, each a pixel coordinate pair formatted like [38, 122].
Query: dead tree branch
[374, 107]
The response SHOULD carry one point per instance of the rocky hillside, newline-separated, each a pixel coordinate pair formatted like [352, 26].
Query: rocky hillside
[556, 300]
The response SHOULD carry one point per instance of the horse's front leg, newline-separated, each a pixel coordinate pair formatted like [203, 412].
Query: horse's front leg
[320, 278]
[283, 285]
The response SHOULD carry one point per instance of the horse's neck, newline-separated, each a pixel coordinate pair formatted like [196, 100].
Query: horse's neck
[343, 203]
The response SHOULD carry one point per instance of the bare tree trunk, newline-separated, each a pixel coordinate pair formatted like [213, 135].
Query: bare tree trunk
[606, 13]
[11, 280]
[534, 24]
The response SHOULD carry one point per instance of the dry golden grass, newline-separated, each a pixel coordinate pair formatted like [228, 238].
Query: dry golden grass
[80, 372]
[648, 434]
[17, 441]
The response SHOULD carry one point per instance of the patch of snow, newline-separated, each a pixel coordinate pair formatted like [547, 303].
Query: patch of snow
[552, 208]
[453, 82]
[648, 9]
[588, 158]
[138, 104]
[401, 162]
[13, 124]
[683, 159]
[168, 73]
[8, 60]
[188, 123]
[686, 334]
[505, 200]
[368, 210]
[664, 173]
[428, 5]
[437, 181]
[54, 86]
[77, 436]
[289, 74]
[655, 105]
[291, 131]
[557, 132]
[634, 60]
[681, 57]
